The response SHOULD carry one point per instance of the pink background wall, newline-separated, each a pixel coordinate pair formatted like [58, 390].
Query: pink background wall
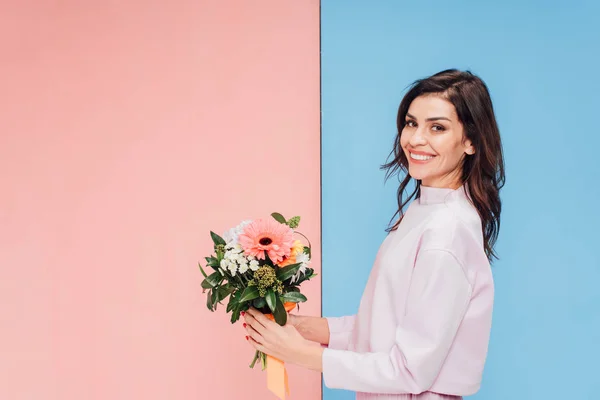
[127, 131]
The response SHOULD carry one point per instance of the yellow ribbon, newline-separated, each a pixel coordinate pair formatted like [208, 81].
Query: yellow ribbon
[277, 376]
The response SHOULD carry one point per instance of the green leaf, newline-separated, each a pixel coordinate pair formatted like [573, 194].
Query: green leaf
[202, 270]
[292, 289]
[279, 218]
[223, 292]
[294, 222]
[259, 303]
[212, 261]
[250, 293]
[216, 239]
[232, 304]
[236, 311]
[208, 300]
[280, 314]
[213, 298]
[287, 272]
[212, 280]
[235, 315]
[271, 299]
[293, 297]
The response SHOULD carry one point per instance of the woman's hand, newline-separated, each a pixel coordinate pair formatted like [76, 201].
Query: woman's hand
[282, 342]
[314, 329]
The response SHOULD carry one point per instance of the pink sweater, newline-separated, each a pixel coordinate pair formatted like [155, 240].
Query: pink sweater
[424, 319]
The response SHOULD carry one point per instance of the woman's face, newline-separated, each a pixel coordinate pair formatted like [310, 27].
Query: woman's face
[434, 135]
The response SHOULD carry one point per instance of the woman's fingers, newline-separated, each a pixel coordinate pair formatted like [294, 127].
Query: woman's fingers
[257, 345]
[254, 323]
[254, 334]
[260, 317]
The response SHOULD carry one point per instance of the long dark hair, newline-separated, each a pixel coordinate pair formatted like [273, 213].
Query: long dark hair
[484, 170]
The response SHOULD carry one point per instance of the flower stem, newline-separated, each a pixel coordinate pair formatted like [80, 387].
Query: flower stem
[264, 360]
[309, 246]
[256, 356]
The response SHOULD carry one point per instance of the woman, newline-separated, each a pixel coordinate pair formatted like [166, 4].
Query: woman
[423, 325]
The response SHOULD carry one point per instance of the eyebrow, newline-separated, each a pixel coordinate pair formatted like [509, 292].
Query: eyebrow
[428, 119]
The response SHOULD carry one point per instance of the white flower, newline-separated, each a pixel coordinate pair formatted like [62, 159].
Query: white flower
[304, 259]
[254, 265]
[231, 236]
[232, 267]
[243, 267]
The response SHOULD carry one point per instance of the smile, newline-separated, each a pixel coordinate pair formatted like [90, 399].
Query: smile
[418, 157]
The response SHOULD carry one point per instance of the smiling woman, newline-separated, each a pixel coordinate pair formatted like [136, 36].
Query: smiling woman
[434, 137]
[424, 321]
[448, 135]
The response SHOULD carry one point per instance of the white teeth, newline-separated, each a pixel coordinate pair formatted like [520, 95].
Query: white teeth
[419, 157]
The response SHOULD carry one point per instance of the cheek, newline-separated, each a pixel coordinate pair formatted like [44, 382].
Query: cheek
[449, 149]
[403, 139]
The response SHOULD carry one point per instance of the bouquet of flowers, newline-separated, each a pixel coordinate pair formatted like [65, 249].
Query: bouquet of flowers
[258, 264]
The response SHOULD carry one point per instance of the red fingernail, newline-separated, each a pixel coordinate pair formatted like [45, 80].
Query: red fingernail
[243, 313]
[244, 324]
[246, 337]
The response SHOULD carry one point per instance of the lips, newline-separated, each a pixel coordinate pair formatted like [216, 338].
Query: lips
[417, 158]
[421, 153]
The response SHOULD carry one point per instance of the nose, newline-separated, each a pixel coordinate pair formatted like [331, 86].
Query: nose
[417, 138]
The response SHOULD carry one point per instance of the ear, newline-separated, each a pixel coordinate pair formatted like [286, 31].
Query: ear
[469, 148]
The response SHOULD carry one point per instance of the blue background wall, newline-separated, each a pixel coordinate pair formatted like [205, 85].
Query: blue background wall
[541, 63]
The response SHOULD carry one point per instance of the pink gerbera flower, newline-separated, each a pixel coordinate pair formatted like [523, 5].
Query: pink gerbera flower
[267, 235]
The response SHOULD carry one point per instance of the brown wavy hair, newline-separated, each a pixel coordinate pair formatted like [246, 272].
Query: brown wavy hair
[484, 170]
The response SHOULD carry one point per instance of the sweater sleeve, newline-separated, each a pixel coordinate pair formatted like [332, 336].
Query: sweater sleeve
[438, 298]
[340, 329]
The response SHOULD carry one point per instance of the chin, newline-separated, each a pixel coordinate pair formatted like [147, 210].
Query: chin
[418, 175]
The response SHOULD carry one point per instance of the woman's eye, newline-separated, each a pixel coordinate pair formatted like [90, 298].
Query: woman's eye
[438, 128]
[411, 123]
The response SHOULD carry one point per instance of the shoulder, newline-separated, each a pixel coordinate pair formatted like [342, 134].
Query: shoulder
[456, 231]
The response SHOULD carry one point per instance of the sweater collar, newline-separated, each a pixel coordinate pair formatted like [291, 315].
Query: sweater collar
[434, 195]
